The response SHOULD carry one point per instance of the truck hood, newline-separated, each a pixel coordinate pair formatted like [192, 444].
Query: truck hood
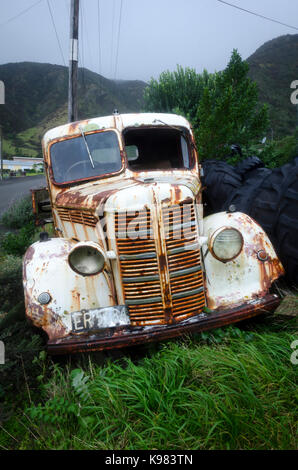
[132, 192]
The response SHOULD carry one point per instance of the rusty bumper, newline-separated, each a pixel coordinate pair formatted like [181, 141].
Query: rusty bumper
[119, 337]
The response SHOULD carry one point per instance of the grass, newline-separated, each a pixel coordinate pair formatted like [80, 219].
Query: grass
[235, 389]
[231, 388]
[25, 143]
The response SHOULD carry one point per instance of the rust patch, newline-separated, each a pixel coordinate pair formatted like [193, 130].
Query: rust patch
[74, 199]
[43, 317]
[29, 254]
[73, 127]
[162, 261]
[76, 297]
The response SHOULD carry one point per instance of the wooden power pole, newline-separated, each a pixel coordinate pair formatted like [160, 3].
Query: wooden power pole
[73, 62]
[1, 156]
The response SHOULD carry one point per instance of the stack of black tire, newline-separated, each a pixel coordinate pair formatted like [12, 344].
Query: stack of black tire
[269, 196]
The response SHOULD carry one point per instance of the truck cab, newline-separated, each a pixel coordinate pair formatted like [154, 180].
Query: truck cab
[133, 259]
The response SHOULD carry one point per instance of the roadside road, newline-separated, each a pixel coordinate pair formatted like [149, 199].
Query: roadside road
[16, 188]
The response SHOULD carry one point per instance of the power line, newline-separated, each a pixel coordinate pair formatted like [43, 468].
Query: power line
[118, 40]
[99, 42]
[21, 13]
[58, 40]
[257, 14]
[112, 40]
[81, 47]
[87, 35]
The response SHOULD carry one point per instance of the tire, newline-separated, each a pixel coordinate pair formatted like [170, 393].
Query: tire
[287, 221]
[220, 180]
[243, 198]
[271, 198]
[250, 163]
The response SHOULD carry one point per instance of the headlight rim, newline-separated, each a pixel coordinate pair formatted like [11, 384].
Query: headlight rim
[86, 245]
[213, 237]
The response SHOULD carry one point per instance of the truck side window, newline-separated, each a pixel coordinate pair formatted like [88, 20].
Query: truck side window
[157, 149]
[185, 152]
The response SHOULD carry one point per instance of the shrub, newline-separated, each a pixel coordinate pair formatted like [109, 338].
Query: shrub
[10, 282]
[18, 214]
[22, 345]
[280, 152]
[17, 243]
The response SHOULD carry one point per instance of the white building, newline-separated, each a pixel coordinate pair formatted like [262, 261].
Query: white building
[22, 163]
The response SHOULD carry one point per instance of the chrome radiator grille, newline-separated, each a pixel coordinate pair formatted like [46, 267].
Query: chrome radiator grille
[140, 263]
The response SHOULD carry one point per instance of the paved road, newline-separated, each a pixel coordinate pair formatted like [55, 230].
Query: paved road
[16, 188]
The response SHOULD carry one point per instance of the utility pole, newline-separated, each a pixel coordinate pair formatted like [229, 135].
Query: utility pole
[73, 62]
[1, 156]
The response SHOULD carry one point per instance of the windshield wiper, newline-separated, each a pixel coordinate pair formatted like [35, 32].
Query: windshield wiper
[168, 125]
[89, 154]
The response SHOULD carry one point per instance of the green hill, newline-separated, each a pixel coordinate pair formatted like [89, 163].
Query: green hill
[36, 100]
[274, 66]
[36, 95]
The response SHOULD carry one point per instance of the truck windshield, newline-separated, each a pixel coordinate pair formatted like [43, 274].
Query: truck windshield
[71, 161]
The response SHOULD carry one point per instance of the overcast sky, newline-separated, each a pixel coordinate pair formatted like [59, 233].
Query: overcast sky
[155, 35]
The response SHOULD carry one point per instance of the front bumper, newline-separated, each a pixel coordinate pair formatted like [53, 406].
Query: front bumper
[119, 337]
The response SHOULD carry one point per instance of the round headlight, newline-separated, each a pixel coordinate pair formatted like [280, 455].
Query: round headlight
[226, 244]
[86, 260]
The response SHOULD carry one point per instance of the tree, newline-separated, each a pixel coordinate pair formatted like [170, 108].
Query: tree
[229, 112]
[176, 92]
[223, 107]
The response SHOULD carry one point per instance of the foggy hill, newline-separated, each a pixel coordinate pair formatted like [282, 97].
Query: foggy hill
[274, 66]
[36, 100]
[36, 95]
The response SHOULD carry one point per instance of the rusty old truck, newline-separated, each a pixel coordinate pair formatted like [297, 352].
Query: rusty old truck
[132, 258]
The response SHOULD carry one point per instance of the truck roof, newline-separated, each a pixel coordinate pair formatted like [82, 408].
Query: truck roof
[115, 121]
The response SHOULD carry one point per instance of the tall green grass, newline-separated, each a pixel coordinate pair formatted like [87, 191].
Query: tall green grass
[186, 394]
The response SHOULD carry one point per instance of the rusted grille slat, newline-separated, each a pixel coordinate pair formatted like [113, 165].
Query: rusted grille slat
[140, 269]
[188, 308]
[186, 301]
[184, 259]
[191, 282]
[172, 244]
[190, 286]
[78, 217]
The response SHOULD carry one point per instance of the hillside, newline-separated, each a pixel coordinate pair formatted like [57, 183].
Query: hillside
[36, 95]
[36, 100]
[274, 66]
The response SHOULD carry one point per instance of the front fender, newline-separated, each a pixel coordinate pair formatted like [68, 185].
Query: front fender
[46, 269]
[245, 278]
